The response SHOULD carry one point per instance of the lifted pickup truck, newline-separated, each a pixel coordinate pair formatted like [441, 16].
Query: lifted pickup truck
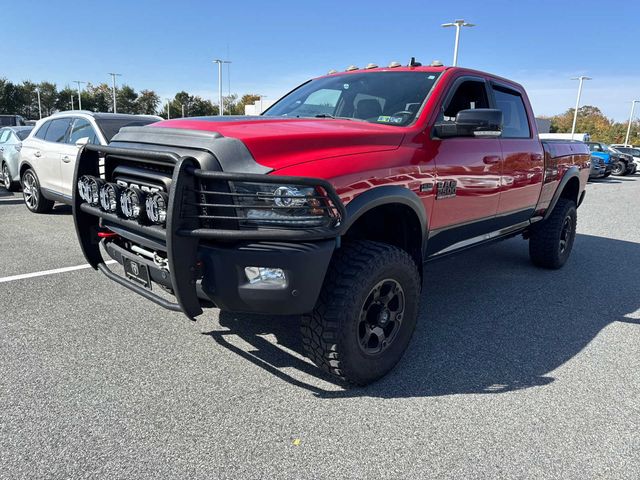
[328, 204]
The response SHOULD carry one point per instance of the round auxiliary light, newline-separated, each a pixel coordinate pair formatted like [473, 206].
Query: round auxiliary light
[110, 196]
[92, 192]
[289, 197]
[156, 207]
[83, 187]
[132, 203]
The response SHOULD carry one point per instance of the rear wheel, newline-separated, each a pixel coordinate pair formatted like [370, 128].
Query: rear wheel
[366, 313]
[32, 194]
[551, 241]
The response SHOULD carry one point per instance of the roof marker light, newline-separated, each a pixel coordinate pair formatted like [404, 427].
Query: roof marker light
[395, 64]
[371, 65]
[332, 71]
[437, 63]
[351, 68]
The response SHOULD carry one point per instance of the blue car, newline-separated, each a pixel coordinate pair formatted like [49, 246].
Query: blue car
[601, 151]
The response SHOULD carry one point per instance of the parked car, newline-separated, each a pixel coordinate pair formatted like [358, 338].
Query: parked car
[624, 159]
[49, 154]
[598, 167]
[12, 121]
[611, 160]
[10, 145]
[328, 204]
[630, 150]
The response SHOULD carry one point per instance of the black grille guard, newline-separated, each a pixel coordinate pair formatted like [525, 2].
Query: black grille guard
[183, 233]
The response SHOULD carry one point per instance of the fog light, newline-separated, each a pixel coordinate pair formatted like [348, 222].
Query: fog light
[109, 196]
[156, 207]
[266, 276]
[131, 203]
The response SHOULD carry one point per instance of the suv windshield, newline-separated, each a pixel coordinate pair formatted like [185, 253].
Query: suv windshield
[392, 98]
[111, 126]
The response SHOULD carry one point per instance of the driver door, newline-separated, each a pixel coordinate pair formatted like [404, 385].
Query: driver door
[80, 128]
[468, 172]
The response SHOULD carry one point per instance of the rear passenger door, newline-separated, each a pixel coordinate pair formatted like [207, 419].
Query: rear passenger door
[522, 156]
[49, 173]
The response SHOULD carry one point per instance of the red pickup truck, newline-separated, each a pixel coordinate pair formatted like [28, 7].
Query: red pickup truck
[329, 203]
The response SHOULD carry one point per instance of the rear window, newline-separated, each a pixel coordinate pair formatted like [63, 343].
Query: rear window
[111, 126]
[22, 134]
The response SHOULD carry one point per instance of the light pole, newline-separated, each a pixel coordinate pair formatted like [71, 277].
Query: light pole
[182, 104]
[113, 79]
[71, 102]
[633, 107]
[581, 78]
[79, 93]
[458, 24]
[168, 109]
[39, 103]
[220, 62]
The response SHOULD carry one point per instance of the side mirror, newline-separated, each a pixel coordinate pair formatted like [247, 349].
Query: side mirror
[478, 122]
[81, 142]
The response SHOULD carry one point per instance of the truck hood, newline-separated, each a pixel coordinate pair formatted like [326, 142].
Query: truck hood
[278, 142]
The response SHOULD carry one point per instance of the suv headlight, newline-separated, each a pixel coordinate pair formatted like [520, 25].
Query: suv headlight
[271, 205]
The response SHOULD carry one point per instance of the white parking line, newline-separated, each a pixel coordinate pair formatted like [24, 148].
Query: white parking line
[48, 272]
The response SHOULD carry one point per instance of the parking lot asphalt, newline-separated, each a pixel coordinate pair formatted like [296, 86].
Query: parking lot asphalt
[513, 372]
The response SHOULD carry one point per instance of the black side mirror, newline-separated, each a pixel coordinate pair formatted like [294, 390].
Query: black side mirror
[477, 122]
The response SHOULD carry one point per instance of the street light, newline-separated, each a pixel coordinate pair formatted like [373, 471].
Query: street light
[582, 78]
[113, 78]
[458, 24]
[79, 93]
[220, 62]
[168, 108]
[633, 107]
[39, 103]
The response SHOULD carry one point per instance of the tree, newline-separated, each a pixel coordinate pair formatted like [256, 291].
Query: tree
[148, 102]
[48, 97]
[126, 98]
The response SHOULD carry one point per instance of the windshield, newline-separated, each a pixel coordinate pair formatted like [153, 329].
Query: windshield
[392, 98]
[111, 126]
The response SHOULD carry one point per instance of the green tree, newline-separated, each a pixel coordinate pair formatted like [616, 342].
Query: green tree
[126, 98]
[48, 98]
[148, 102]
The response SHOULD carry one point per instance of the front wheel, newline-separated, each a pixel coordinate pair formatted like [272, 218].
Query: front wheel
[551, 241]
[619, 169]
[366, 313]
[32, 194]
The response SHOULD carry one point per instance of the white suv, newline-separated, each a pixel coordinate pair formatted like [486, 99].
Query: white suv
[48, 156]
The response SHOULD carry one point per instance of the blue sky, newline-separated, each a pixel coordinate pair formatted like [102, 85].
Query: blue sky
[168, 45]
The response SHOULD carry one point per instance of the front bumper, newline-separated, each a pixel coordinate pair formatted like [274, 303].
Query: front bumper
[206, 267]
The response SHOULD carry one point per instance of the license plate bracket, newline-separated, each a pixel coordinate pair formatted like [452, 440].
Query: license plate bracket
[137, 272]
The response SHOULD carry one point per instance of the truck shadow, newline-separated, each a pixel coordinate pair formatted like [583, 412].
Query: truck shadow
[490, 322]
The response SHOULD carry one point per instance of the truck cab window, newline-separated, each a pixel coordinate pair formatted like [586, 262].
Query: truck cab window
[469, 94]
[514, 115]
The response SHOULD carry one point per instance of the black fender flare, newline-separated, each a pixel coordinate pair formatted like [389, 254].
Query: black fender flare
[387, 195]
[572, 172]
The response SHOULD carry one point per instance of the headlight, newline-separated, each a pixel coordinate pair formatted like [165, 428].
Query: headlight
[131, 203]
[110, 197]
[156, 207]
[269, 205]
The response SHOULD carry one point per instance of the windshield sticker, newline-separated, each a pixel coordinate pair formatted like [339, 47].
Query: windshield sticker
[431, 77]
[345, 86]
[388, 119]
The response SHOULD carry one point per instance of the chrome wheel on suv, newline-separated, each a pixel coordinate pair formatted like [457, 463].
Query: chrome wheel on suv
[6, 177]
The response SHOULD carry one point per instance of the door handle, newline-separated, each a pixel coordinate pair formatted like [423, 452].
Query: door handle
[37, 154]
[491, 159]
[66, 158]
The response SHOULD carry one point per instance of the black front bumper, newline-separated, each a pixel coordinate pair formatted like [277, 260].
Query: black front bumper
[206, 267]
